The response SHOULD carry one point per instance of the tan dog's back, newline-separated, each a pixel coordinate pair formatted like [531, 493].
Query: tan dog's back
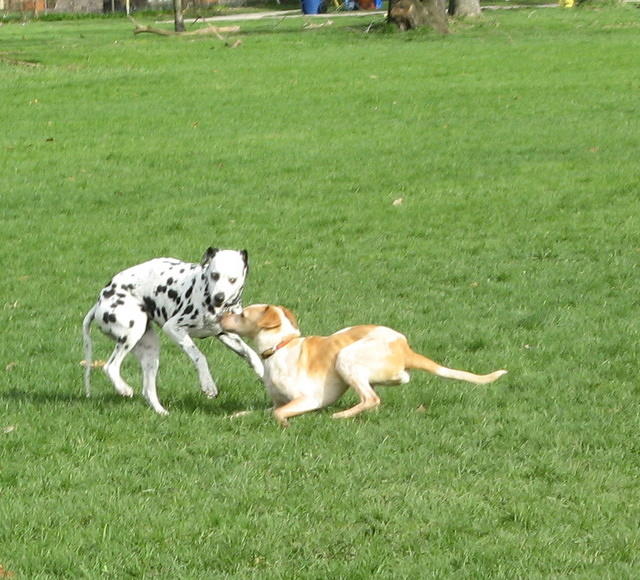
[319, 353]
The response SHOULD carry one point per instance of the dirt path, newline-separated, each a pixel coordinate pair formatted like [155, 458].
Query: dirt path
[298, 13]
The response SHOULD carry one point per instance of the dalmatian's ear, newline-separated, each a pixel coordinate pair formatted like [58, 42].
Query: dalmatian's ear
[245, 257]
[208, 255]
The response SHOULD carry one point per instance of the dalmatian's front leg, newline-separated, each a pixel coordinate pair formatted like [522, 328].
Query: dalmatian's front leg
[237, 345]
[180, 336]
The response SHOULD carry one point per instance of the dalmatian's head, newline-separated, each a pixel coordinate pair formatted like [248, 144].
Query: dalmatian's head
[225, 272]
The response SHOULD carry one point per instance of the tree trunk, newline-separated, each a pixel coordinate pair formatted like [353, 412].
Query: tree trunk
[407, 14]
[462, 8]
[179, 17]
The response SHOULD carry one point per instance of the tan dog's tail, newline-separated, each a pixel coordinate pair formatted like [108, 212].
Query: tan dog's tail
[414, 360]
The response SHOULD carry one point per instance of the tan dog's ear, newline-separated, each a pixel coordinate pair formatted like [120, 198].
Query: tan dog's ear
[270, 319]
[290, 316]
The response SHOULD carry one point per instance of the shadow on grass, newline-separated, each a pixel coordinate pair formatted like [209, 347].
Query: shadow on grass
[40, 397]
[224, 405]
[189, 403]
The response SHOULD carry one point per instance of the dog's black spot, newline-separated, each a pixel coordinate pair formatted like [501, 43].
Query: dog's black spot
[173, 295]
[149, 305]
[164, 313]
[188, 293]
[193, 267]
[169, 281]
[161, 289]
[127, 287]
[109, 293]
[108, 317]
[207, 300]
[211, 309]
[194, 315]
[122, 339]
[131, 323]
[188, 309]
[182, 271]
[181, 320]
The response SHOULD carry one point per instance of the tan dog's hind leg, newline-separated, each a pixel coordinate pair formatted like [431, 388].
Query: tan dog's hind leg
[358, 379]
[363, 405]
[296, 407]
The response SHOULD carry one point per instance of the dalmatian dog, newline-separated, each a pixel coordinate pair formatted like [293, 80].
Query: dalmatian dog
[186, 300]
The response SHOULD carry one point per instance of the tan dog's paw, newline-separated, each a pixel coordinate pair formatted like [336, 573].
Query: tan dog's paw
[239, 414]
[281, 419]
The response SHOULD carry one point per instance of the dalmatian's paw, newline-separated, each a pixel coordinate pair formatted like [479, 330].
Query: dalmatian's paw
[211, 391]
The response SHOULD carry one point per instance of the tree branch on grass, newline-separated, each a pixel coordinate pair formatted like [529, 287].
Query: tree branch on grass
[208, 31]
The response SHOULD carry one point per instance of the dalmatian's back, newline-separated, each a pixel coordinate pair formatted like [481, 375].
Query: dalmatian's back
[162, 288]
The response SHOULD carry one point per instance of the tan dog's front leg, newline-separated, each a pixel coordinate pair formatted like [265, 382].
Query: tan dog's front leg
[296, 407]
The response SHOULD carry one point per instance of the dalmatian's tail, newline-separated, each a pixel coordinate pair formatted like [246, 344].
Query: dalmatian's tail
[88, 350]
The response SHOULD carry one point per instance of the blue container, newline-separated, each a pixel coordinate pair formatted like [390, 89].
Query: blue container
[378, 4]
[312, 6]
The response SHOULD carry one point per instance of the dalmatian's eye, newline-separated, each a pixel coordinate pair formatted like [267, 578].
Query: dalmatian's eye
[233, 280]
[215, 276]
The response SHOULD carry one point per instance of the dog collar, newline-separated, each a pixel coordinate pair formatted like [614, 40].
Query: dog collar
[271, 351]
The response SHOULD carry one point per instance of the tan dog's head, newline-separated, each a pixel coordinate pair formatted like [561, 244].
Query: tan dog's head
[261, 320]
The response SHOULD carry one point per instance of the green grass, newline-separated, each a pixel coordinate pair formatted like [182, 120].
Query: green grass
[514, 145]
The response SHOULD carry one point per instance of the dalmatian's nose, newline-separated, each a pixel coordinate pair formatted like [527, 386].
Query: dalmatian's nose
[218, 299]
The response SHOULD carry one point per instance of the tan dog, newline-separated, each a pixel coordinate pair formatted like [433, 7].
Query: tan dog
[307, 373]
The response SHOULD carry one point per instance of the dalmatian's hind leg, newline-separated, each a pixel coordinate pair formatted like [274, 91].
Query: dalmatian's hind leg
[126, 324]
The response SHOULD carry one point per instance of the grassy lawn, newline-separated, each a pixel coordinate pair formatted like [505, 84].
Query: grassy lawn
[513, 147]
